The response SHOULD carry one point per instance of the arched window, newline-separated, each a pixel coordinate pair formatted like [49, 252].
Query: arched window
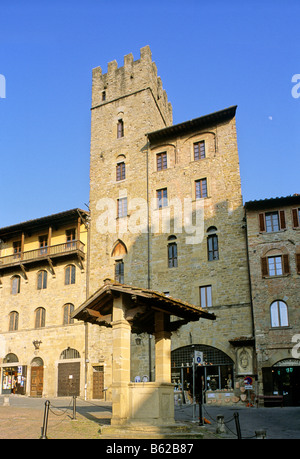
[13, 321]
[172, 252]
[212, 244]
[70, 274]
[119, 249]
[69, 353]
[40, 317]
[42, 280]
[67, 311]
[15, 285]
[10, 358]
[279, 314]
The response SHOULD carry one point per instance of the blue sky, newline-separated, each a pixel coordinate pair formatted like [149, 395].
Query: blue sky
[210, 55]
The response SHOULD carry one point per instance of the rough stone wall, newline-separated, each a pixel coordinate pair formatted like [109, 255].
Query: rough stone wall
[130, 99]
[55, 337]
[273, 343]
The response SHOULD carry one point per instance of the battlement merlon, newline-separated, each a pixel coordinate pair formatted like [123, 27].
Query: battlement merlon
[134, 76]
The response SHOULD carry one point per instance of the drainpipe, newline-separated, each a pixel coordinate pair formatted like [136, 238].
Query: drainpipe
[148, 250]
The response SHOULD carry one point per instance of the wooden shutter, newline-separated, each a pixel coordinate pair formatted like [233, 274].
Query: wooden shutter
[298, 262]
[262, 222]
[295, 218]
[282, 219]
[285, 263]
[264, 266]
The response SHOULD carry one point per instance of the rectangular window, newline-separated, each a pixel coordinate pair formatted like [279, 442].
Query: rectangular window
[275, 266]
[212, 247]
[122, 207]
[296, 217]
[119, 271]
[15, 285]
[71, 238]
[43, 240]
[17, 249]
[162, 198]
[161, 161]
[201, 188]
[199, 150]
[205, 296]
[120, 173]
[172, 255]
[272, 221]
[120, 129]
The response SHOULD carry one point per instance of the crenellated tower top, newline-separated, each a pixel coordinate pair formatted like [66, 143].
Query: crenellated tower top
[133, 77]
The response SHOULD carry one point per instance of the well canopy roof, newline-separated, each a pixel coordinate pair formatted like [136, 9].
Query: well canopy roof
[140, 305]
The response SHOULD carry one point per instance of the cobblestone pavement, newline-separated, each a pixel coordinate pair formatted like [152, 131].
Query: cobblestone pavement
[23, 418]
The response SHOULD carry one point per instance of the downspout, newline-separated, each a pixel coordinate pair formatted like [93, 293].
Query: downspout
[148, 250]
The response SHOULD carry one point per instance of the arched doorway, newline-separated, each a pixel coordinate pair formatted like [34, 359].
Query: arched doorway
[37, 377]
[69, 373]
[216, 372]
[283, 378]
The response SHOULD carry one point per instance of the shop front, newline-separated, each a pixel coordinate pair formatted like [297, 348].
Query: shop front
[283, 378]
[214, 376]
[13, 376]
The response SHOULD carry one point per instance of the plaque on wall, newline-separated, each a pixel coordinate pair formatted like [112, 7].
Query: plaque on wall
[244, 361]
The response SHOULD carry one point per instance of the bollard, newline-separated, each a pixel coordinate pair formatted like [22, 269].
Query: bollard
[237, 424]
[261, 434]
[45, 423]
[74, 408]
[220, 424]
[6, 401]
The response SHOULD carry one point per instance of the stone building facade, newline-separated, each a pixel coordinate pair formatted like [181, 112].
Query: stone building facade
[42, 280]
[273, 227]
[167, 214]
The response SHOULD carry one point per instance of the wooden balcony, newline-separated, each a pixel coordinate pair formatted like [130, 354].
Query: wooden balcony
[47, 254]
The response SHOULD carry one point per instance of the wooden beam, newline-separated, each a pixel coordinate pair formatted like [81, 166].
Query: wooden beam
[130, 314]
[97, 317]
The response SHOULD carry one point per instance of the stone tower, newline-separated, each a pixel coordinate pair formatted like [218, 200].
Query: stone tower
[127, 103]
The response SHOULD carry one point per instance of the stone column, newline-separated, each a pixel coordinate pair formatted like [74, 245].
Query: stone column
[162, 348]
[121, 331]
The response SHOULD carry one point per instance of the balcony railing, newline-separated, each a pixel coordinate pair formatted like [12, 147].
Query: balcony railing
[72, 247]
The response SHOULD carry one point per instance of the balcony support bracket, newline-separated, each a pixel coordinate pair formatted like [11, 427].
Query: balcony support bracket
[24, 271]
[51, 267]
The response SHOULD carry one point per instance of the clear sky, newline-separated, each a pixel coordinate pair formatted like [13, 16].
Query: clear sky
[209, 54]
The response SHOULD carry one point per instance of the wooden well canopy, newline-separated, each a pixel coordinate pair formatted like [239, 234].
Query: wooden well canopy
[141, 305]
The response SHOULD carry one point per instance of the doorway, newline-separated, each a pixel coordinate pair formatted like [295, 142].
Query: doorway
[98, 382]
[37, 377]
